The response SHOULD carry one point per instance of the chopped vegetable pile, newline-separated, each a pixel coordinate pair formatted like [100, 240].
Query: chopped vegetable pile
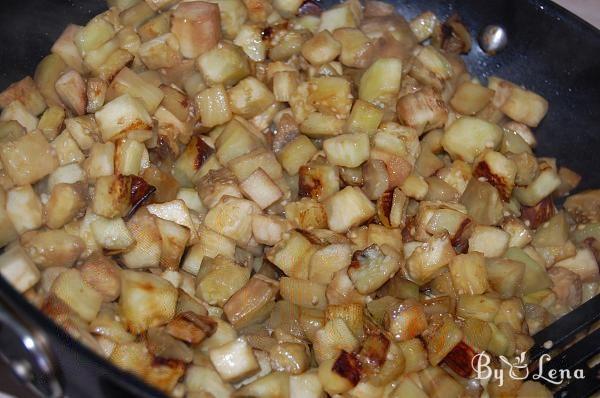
[261, 198]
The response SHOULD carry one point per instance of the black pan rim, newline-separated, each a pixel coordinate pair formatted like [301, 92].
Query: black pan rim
[557, 10]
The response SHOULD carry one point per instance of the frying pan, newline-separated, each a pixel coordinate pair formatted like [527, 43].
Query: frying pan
[549, 50]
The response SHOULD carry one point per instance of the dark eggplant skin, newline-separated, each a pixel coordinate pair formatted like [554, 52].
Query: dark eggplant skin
[549, 50]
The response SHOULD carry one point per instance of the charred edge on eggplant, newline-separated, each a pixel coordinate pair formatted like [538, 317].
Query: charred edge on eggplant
[308, 187]
[365, 256]
[348, 366]
[460, 359]
[483, 170]
[538, 214]
[408, 232]
[140, 192]
[460, 241]
[384, 207]
[374, 351]
[204, 152]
